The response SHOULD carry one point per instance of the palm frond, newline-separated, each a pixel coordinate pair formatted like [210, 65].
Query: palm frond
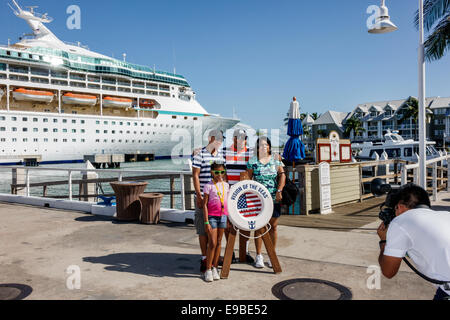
[439, 41]
[433, 11]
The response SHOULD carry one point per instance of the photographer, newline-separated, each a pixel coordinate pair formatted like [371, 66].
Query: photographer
[418, 232]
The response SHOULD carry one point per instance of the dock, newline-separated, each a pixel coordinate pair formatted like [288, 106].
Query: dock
[119, 261]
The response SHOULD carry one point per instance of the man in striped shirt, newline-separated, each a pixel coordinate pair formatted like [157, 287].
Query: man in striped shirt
[237, 156]
[201, 166]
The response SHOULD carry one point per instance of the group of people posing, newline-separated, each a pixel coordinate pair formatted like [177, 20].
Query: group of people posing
[215, 170]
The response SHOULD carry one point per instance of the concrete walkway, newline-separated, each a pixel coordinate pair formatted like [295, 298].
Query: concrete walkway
[132, 261]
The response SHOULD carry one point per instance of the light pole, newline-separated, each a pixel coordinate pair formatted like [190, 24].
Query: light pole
[384, 25]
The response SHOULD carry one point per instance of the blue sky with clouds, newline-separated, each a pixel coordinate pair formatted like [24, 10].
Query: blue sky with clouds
[256, 55]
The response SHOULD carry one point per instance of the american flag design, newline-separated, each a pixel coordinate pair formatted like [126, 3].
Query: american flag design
[249, 205]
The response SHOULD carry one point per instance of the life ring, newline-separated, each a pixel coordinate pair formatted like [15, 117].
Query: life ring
[250, 206]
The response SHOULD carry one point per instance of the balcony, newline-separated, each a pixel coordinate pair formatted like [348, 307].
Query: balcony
[373, 128]
[407, 127]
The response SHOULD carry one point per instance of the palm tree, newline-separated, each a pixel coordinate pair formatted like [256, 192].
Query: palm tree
[355, 125]
[315, 116]
[437, 14]
[411, 112]
[322, 133]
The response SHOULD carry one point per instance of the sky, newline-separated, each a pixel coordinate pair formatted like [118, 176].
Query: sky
[254, 56]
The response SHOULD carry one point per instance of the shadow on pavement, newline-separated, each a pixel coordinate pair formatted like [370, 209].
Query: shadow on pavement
[151, 264]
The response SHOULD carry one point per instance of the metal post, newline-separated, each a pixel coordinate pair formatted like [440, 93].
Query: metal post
[59, 101]
[422, 115]
[435, 191]
[7, 98]
[27, 179]
[404, 176]
[70, 186]
[183, 195]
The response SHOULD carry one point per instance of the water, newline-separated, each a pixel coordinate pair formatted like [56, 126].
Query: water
[63, 190]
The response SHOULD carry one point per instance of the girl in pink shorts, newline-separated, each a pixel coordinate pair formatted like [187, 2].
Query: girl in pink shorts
[216, 218]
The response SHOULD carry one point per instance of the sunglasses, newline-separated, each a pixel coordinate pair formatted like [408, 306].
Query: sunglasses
[219, 172]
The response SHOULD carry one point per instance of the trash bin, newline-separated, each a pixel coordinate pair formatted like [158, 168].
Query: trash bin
[128, 204]
[151, 207]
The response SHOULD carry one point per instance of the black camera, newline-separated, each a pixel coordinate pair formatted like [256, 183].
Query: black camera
[380, 188]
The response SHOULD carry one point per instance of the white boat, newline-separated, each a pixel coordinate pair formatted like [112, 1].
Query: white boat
[395, 147]
[22, 94]
[79, 99]
[94, 104]
[114, 102]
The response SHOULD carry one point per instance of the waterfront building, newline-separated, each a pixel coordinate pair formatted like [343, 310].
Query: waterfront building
[327, 122]
[377, 118]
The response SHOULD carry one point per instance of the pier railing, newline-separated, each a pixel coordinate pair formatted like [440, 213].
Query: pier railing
[350, 182]
[25, 186]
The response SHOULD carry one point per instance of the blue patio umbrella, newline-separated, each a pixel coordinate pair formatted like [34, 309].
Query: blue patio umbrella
[294, 149]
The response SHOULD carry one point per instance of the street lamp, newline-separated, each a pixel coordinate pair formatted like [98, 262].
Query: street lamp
[384, 25]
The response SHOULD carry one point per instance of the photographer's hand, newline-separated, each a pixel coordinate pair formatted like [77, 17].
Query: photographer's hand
[382, 232]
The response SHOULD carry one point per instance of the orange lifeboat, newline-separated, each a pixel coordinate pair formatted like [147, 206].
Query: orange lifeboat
[22, 94]
[117, 102]
[80, 99]
[147, 103]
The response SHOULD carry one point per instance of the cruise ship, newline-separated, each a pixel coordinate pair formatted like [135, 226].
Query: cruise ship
[60, 102]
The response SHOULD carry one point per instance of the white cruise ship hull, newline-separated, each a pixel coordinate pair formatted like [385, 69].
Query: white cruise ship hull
[52, 140]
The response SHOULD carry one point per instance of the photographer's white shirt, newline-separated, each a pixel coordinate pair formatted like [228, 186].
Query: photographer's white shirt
[424, 235]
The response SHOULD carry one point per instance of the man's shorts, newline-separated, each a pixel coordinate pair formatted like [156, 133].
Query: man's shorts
[200, 222]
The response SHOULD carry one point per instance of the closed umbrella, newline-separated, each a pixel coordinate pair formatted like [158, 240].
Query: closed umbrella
[294, 149]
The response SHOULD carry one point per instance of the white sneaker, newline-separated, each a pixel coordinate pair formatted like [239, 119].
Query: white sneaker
[215, 274]
[269, 264]
[209, 276]
[259, 262]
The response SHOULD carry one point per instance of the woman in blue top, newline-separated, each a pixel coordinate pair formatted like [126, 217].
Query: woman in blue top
[267, 170]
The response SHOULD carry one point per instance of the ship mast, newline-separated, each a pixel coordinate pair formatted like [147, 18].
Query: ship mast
[36, 22]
